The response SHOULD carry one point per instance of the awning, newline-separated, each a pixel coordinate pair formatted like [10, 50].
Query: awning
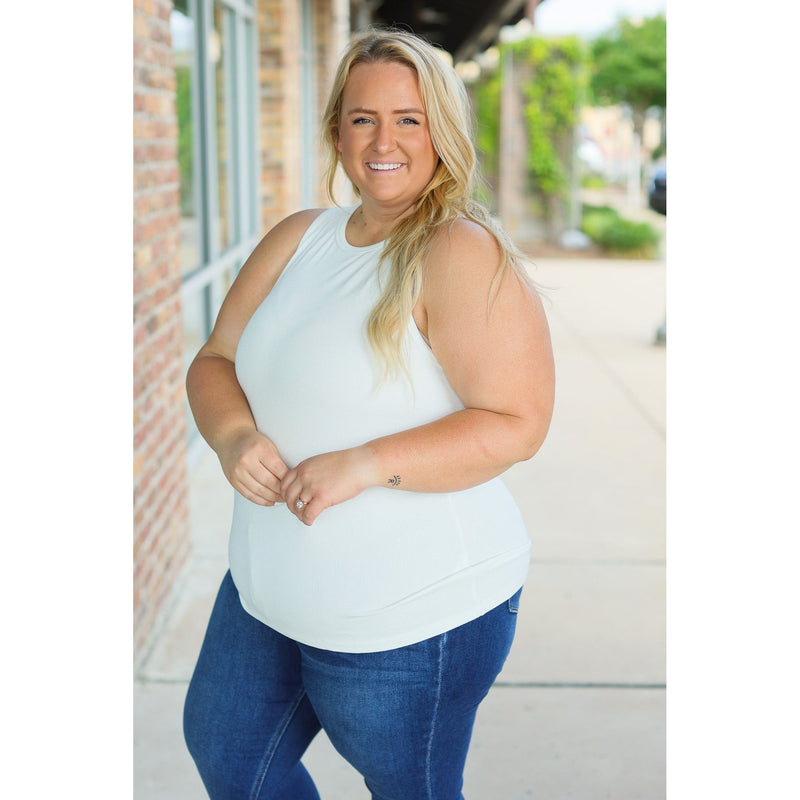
[462, 27]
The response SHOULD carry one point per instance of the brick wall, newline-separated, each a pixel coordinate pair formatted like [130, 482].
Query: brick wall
[331, 32]
[279, 86]
[160, 505]
[279, 32]
[332, 35]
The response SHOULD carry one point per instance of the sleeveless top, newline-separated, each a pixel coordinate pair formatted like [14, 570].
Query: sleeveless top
[389, 567]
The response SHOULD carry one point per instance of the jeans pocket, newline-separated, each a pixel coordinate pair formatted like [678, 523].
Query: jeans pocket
[513, 602]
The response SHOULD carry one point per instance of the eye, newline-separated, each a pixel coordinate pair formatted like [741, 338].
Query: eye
[361, 121]
[409, 121]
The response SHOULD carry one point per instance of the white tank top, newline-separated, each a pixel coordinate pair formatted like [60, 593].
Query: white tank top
[389, 567]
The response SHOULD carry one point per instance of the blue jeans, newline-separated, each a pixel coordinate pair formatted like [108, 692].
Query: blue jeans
[403, 718]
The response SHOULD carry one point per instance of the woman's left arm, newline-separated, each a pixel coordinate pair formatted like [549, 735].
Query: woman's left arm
[497, 357]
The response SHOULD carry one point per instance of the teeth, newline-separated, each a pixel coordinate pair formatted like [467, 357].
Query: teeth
[383, 167]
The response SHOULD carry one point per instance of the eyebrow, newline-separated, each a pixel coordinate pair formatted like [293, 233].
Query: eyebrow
[361, 110]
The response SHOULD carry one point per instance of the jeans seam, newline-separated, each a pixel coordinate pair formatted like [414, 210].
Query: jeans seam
[442, 643]
[272, 746]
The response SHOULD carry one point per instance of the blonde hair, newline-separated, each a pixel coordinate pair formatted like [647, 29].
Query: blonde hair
[446, 198]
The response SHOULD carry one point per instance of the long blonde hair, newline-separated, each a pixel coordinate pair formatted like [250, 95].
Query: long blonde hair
[446, 198]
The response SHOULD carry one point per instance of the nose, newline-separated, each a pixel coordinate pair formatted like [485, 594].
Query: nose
[384, 139]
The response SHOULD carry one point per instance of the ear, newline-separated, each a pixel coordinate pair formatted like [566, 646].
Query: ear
[339, 144]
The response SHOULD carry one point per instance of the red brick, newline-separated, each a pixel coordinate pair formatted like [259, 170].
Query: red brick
[160, 503]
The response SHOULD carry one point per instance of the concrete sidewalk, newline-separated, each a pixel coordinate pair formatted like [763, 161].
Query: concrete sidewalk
[579, 710]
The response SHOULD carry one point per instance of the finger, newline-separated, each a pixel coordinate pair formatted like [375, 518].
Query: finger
[253, 498]
[268, 495]
[273, 464]
[294, 492]
[286, 482]
[297, 500]
[265, 477]
[246, 484]
[311, 511]
[259, 497]
[298, 506]
[252, 473]
[308, 516]
[258, 480]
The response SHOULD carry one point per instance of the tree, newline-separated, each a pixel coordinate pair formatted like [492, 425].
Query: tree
[629, 65]
[549, 77]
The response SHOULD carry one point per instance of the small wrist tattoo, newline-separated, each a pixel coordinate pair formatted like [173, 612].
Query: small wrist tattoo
[394, 480]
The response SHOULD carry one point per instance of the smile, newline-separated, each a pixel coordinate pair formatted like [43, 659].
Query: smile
[383, 167]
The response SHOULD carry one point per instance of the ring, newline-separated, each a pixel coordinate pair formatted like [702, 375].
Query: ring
[299, 504]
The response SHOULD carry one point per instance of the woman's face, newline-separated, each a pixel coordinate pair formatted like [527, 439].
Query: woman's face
[384, 138]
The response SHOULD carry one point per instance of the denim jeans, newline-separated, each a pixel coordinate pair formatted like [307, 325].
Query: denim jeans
[403, 718]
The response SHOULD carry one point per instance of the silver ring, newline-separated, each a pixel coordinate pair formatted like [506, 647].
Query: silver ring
[299, 504]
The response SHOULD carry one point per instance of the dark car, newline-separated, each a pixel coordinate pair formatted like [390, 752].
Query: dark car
[657, 194]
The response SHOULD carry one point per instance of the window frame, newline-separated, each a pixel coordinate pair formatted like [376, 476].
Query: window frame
[240, 100]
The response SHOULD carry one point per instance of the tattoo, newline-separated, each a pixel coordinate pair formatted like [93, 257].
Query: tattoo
[394, 480]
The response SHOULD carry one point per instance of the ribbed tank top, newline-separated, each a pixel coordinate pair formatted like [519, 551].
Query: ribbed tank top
[389, 567]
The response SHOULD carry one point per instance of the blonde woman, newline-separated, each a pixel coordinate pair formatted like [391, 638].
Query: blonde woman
[372, 372]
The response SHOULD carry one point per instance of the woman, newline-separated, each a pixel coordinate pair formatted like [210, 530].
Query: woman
[371, 373]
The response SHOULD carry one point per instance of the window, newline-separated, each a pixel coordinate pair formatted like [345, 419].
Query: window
[183, 34]
[215, 69]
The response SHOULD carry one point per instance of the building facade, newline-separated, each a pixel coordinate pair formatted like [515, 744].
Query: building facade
[161, 542]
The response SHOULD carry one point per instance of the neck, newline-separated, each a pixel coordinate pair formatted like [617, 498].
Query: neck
[377, 222]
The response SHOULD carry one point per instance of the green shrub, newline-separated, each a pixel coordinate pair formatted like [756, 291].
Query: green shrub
[593, 181]
[596, 219]
[627, 235]
[618, 236]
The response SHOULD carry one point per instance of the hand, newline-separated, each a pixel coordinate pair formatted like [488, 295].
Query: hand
[326, 480]
[253, 467]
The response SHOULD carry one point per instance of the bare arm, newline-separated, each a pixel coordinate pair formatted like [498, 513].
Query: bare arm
[248, 458]
[498, 360]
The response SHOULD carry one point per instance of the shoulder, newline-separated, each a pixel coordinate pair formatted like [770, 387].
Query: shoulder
[463, 237]
[462, 254]
[293, 227]
[275, 249]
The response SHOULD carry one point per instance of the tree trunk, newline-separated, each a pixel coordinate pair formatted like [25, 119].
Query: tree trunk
[638, 130]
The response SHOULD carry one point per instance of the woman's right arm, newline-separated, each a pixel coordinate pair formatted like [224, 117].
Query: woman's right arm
[249, 460]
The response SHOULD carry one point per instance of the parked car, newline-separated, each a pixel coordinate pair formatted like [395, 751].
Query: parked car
[657, 200]
[657, 194]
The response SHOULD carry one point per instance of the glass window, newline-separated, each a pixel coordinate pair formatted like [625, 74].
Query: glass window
[215, 80]
[183, 50]
[220, 54]
[195, 332]
[222, 283]
[251, 101]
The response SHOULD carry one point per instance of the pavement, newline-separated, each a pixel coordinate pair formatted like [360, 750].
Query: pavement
[579, 709]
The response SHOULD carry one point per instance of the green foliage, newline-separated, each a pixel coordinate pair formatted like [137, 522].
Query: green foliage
[629, 64]
[183, 101]
[487, 107]
[552, 81]
[592, 181]
[553, 85]
[619, 236]
[659, 153]
[596, 220]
